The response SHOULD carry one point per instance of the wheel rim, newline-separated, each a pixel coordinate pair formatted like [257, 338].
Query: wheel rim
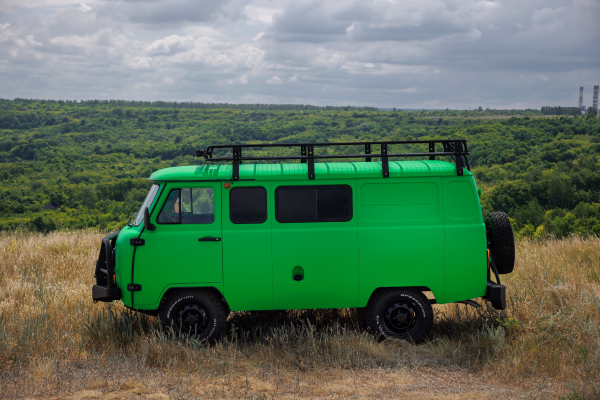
[192, 319]
[400, 317]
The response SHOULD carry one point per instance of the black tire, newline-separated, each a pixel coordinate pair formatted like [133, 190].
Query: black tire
[361, 317]
[501, 241]
[400, 314]
[199, 314]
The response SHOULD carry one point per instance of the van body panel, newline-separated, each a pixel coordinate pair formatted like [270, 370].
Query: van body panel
[299, 171]
[400, 235]
[247, 265]
[422, 227]
[123, 260]
[324, 253]
[172, 254]
[466, 245]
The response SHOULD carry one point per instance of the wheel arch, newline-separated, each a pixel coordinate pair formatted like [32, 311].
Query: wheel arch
[210, 289]
[417, 288]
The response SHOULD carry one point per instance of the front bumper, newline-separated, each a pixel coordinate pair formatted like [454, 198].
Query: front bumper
[105, 288]
[102, 293]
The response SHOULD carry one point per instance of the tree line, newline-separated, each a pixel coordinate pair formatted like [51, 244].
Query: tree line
[547, 110]
[87, 165]
[196, 105]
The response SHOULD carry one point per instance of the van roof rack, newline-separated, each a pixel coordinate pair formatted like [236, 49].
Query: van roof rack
[456, 149]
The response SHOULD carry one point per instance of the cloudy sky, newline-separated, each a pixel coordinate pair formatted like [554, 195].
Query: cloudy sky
[383, 53]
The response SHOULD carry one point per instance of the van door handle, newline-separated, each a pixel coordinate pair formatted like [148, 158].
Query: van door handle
[210, 239]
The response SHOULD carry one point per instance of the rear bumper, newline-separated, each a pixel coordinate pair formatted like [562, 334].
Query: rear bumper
[102, 293]
[496, 294]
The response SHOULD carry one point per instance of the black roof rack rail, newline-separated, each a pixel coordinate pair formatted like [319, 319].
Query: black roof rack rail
[457, 149]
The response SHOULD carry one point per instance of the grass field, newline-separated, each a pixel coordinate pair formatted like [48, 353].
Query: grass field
[56, 343]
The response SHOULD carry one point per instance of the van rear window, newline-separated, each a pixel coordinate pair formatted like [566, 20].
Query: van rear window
[313, 203]
[248, 205]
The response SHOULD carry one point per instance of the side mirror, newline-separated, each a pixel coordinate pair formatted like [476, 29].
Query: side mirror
[147, 223]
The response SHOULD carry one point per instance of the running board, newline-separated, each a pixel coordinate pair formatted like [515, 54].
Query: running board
[470, 303]
[467, 302]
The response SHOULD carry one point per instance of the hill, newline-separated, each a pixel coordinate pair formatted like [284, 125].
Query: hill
[76, 165]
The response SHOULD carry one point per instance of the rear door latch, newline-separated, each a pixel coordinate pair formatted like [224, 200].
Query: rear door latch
[134, 287]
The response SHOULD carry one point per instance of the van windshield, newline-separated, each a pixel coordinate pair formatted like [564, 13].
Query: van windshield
[139, 217]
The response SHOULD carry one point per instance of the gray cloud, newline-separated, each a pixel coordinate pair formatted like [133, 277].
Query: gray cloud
[432, 53]
[310, 21]
[324, 21]
[167, 13]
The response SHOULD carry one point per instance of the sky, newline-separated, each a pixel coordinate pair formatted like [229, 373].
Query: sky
[455, 54]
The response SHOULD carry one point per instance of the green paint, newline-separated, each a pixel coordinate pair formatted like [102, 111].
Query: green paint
[466, 246]
[247, 265]
[327, 253]
[401, 235]
[298, 171]
[123, 261]
[422, 227]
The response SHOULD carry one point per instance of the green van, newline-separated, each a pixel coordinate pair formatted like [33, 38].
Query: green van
[375, 236]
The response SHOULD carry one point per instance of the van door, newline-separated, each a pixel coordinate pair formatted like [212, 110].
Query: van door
[466, 245]
[247, 266]
[315, 252]
[186, 249]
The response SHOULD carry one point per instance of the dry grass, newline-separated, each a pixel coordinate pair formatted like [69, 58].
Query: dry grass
[54, 342]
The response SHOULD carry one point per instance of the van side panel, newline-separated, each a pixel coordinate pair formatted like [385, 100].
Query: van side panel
[247, 265]
[325, 253]
[466, 263]
[400, 235]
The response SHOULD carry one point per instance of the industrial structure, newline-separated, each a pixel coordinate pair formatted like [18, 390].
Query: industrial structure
[581, 106]
[595, 99]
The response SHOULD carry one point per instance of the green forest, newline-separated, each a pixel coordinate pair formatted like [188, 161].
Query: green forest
[69, 164]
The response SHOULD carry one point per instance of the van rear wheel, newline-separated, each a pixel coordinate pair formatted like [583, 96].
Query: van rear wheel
[194, 313]
[400, 314]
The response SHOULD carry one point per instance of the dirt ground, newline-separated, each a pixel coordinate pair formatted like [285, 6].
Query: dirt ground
[334, 384]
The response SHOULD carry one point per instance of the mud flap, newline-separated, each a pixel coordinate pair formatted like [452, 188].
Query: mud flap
[496, 294]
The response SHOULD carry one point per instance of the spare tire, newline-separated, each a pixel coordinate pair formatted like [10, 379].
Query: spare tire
[501, 241]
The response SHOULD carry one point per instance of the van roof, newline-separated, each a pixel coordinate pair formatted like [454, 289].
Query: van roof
[298, 171]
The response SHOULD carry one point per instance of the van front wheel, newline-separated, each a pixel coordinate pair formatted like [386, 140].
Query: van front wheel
[194, 313]
[400, 314]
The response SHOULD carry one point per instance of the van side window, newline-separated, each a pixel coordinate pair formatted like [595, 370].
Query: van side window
[313, 203]
[248, 205]
[188, 206]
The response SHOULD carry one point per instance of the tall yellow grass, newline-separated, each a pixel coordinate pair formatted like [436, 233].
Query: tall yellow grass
[53, 338]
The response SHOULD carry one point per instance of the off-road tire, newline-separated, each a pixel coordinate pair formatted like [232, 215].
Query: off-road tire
[387, 307]
[501, 241]
[361, 317]
[199, 314]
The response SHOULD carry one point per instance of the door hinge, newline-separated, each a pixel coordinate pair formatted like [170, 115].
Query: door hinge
[134, 287]
[137, 242]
